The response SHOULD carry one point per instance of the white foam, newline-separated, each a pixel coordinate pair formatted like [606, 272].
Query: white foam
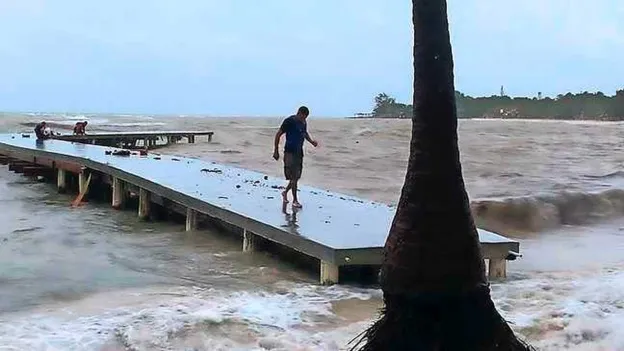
[135, 124]
[536, 120]
[582, 311]
[92, 121]
[555, 310]
[182, 318]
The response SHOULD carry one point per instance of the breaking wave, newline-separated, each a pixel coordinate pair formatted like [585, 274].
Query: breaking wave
[543, 212]
[298, 318]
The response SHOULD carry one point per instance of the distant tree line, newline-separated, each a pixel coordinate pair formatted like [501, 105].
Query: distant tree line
[592, 106]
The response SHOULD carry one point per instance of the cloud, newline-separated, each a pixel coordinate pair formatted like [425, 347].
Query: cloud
[196, 56]
[531, 45]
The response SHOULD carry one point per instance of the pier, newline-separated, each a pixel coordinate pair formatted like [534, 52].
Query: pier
[135, 140]
[336, 232]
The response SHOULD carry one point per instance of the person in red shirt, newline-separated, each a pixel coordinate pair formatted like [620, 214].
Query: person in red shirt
[80, 128]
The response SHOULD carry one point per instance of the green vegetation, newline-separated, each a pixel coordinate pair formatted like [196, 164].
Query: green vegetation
[582, 106]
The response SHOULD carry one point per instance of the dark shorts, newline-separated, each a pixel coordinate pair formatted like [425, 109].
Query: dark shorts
[293, 165]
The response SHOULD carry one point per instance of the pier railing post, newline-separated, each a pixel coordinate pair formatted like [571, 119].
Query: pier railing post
[329, 273]
[118, 193]
[191, 219]
[144, 204]
[248, 241]
[497, 268]
[61, 180]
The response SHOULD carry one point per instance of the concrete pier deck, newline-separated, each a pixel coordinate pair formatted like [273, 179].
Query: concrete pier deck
[143, 139]
[336, 229]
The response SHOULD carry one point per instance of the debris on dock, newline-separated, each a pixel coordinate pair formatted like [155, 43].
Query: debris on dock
[118, 153]
[214, 170]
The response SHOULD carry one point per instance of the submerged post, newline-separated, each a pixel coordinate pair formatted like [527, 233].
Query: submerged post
[144, 204]
[61, 180]
[118, 193]
[191, 219]
[329, 273]
[248, 241]
[497, 268]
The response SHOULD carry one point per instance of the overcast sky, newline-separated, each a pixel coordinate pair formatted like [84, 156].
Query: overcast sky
[248, 57]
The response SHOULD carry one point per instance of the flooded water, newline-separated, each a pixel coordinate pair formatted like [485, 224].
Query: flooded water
[92, 278]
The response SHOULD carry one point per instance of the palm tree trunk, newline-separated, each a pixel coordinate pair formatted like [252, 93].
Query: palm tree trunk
[436, 293]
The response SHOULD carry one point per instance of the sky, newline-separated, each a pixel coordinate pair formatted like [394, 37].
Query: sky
[252, 57]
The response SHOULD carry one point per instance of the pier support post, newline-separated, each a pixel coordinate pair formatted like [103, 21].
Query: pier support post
[118, 193]
[191, 139]
[61, 180]
[83, 186]
[144, 204]
[497, 268]
[329, 273]
[191, 219]
[248, 241]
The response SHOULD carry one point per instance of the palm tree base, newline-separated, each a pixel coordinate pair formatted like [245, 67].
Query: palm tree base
[440, 322]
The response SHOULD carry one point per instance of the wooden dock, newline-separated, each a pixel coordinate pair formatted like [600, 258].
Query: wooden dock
[336, 231]
[136, 140]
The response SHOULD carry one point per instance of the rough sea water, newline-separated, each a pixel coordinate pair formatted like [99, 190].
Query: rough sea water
[91, 278]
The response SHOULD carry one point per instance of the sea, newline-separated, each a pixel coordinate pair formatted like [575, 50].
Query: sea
[92, 278]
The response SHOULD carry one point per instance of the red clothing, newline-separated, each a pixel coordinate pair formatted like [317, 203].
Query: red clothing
[79, 128]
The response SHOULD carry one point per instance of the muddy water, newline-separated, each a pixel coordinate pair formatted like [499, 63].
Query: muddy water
[92, 278]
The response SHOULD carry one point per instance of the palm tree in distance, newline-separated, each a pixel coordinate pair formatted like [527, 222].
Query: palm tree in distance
[436, 293]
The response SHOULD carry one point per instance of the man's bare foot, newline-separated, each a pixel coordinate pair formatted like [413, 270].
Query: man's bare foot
[296, 204]
[285, 197]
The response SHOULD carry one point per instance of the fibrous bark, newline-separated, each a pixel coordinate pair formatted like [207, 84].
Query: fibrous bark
[436, 293]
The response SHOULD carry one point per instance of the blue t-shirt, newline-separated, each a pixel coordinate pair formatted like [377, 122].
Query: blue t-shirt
[295, 131]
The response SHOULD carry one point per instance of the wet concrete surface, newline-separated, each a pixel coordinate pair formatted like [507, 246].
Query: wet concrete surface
[334, 220]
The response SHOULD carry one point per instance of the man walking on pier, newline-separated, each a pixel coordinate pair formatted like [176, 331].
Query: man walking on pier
[296, 131]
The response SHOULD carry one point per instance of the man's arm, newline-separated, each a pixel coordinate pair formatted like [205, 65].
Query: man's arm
[278, 136]
[310, 140]
[276, 142]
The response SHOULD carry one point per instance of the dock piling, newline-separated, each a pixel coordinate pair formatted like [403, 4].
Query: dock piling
[329, 273]
[497, 268]
[61, 180]
[144, 204]
[118, 193]
[248, 241]
[191, 220]
[82, 182]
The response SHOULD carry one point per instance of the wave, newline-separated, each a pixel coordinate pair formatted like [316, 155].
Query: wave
[97, 124]
[135, 124]
[186, 318]
[545, 120]
[616, 174]
[538, 213]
